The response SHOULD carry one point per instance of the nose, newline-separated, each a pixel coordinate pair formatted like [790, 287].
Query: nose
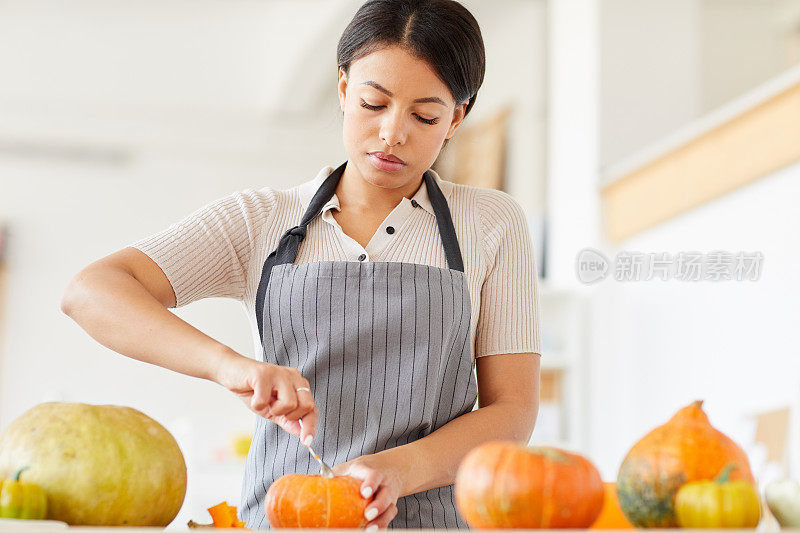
[394, 129]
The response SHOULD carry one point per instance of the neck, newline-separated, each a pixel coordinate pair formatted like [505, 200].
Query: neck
[357, 193]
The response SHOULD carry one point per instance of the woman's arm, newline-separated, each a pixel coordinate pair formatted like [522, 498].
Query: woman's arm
[121, 301]
[508, 389]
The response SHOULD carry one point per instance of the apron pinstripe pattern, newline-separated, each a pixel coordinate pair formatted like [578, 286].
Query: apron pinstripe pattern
[385, 347]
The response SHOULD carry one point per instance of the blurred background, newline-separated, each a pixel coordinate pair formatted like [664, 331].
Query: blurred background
[627, 127]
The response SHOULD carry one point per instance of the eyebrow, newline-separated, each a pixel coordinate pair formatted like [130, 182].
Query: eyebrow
[381, 88]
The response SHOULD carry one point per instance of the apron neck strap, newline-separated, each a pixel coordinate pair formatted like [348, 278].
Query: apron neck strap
[286, 252]
[444, 220]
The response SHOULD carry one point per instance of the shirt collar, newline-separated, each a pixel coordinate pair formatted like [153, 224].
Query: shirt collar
[309, 188]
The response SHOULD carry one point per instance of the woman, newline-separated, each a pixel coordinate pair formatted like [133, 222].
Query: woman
[375, 290]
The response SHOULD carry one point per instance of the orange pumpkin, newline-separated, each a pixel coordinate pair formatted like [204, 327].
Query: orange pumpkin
[297, 500]
[686, 448]
[611, 516]
[504, 484]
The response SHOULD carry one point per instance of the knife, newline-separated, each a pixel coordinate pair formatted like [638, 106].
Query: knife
[326, 470]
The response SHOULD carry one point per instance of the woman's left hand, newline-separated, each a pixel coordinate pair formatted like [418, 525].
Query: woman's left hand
[379, 477]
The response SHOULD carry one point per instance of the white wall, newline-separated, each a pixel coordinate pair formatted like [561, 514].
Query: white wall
[657, 346]
[515, 35]
[649, 72]
[666, 63]
[744, 43]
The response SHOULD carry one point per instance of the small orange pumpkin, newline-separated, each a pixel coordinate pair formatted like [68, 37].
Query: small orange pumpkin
[504, 484]
[297, 500]
[611, 517]
[686, 448]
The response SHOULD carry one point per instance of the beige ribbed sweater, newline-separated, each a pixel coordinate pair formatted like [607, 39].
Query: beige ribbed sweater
[219, 251]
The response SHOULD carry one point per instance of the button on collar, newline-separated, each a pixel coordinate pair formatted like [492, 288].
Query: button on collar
[389, 230]
[362, 257]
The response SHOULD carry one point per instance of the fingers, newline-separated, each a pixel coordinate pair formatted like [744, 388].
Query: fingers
[382, 521]
[371, 480]
[308, 425]
[262, 396]
[275, 396]
[375, 486]
[292, 405]
[260, 381]
[342, 469]
[305, 399]
[381, 510]
[291, 402]
[287, 398]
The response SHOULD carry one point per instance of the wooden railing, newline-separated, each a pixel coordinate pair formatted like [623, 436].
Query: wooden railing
[746, 140]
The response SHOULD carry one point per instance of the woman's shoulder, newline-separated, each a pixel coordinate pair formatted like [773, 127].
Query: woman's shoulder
[491, 208]
[259, 203]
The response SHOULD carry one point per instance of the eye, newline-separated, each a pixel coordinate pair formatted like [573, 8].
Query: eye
[429, 121]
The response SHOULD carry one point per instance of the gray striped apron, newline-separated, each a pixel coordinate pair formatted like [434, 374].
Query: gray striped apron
[385, 347]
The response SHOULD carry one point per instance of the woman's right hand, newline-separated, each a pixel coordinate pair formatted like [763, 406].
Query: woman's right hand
[271, 391]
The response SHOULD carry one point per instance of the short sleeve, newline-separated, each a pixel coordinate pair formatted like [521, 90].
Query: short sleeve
[206, 254]
[509, 308]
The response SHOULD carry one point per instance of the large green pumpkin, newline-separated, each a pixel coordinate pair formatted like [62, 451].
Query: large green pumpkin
[100, 465]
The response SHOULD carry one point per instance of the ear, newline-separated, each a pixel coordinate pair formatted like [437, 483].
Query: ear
[342, 88]
[458, 118]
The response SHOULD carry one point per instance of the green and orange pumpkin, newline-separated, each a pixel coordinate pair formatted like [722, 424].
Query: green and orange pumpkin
[684, 449]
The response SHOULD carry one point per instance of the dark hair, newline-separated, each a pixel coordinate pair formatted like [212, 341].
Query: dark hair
[442, 33]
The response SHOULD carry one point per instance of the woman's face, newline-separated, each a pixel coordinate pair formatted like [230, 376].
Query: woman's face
[391, 80]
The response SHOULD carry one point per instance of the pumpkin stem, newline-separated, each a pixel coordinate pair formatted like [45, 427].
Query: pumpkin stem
[16, 476]
[698, 404]
[723, 475]
[548, 452]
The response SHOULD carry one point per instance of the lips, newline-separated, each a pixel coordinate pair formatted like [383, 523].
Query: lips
[388, 157]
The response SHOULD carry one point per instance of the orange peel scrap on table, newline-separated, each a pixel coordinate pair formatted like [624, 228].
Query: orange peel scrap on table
[224, 516]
